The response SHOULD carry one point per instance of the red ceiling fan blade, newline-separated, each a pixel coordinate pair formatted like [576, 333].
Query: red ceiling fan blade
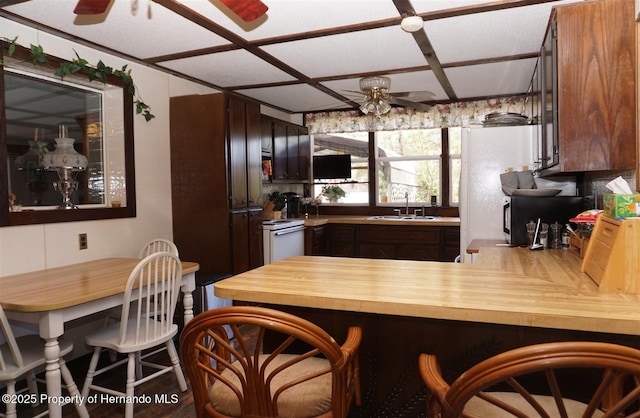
[247, 10]
[91, 7]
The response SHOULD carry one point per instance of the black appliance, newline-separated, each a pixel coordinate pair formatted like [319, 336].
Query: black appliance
[335, 166]
[293, 204]
[518, 210]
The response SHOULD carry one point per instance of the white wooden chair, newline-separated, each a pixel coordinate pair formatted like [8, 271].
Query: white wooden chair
[158, 245]
[21, 356]
[146, 322]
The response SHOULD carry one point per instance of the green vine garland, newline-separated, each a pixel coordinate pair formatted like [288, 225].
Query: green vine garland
[99, 72]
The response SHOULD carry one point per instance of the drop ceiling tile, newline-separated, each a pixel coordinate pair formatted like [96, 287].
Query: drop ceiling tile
[490, 34]
[296, 16]
[230, 68]
[350, 53]
[500, 33]
[509, 77]
[295, 98]
[135, 33]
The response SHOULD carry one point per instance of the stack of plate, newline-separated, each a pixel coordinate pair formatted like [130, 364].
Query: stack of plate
[504, 119]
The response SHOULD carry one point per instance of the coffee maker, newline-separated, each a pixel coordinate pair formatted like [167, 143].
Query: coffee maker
[293, 204]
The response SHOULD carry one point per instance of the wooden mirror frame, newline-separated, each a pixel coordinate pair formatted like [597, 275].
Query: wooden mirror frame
[31, 217]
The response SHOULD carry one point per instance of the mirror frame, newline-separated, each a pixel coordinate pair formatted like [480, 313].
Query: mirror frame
[31, 217]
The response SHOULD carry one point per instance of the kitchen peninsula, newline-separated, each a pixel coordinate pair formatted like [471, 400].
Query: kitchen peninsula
[510, 297]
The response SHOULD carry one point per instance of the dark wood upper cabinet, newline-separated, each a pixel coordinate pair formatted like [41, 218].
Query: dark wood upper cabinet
[291, 152]
[280, 152]
[592, 55]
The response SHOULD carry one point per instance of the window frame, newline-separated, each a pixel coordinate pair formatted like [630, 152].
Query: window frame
[444, 207]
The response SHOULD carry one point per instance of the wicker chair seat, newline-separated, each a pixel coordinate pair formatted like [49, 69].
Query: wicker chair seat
[482, 408]
[304, 400]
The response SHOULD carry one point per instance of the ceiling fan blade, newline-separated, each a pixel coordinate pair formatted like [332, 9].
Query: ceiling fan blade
[91, 7]
[247, 10]
[408, 103]
[416, 96]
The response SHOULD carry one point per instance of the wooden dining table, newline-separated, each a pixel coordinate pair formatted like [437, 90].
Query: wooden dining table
[52, 297]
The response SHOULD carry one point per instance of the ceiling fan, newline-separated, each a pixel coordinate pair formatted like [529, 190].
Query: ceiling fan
[247, 10]
[377, 100]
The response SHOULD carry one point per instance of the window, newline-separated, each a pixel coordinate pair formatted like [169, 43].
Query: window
[357, 145]
[408, 165]
[418, 164]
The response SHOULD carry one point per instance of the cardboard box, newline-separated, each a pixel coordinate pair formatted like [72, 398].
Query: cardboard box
[621, 206]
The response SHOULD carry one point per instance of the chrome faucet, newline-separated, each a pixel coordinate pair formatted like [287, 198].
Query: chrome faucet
[406, 203]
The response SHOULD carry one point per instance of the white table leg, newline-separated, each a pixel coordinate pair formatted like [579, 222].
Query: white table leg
[188, 286]
[52, 375]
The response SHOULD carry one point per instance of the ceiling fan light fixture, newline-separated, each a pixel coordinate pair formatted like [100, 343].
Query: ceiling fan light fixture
[383, 107]
[411, 24]
[375, 83]
[376, 92]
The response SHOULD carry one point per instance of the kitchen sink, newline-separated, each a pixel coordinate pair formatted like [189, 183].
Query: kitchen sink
[402, 218]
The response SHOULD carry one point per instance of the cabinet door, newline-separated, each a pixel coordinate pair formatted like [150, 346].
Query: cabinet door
[450, 248]
[304, 153]
[596, 78]
[256, 252]
[548, 152]
[342, 240]
[237, 155]
[293, 166]
[279, 151]
[239, 241]
[254, 155]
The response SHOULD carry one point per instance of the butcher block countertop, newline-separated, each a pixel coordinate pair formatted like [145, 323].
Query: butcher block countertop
[512, 286]
[365, 220]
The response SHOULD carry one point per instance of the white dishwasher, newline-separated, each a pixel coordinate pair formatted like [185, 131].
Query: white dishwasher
[282, 238]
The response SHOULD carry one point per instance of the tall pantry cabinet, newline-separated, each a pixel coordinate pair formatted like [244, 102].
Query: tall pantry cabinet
[216, 182]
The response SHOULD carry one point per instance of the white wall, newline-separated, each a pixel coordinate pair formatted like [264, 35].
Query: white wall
[28, 248]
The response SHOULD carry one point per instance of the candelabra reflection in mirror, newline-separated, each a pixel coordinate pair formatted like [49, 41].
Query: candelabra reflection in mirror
[67, 162]
[32, 163]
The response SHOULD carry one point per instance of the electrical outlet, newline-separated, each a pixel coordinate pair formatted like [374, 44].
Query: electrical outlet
[83, 243]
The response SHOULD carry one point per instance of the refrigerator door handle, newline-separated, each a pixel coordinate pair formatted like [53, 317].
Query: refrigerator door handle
[505, 208]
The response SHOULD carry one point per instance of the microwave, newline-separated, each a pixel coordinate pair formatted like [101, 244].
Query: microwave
[518, 210]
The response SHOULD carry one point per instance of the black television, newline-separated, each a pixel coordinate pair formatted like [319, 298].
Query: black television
[336, 166]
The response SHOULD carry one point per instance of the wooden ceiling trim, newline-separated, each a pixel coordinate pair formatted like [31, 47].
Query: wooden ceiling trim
[406, 9]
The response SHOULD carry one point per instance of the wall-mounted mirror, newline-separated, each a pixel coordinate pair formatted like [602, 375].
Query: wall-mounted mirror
[66, 145]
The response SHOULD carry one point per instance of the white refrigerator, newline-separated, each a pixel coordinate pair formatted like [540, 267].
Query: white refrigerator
[486, 153]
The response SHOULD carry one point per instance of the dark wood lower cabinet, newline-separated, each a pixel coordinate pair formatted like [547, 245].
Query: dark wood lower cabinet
[316, 240]
[246, 238]
[426, 243]
[342, 240]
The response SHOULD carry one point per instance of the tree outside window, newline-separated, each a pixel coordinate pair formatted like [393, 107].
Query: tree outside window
[408, 163]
